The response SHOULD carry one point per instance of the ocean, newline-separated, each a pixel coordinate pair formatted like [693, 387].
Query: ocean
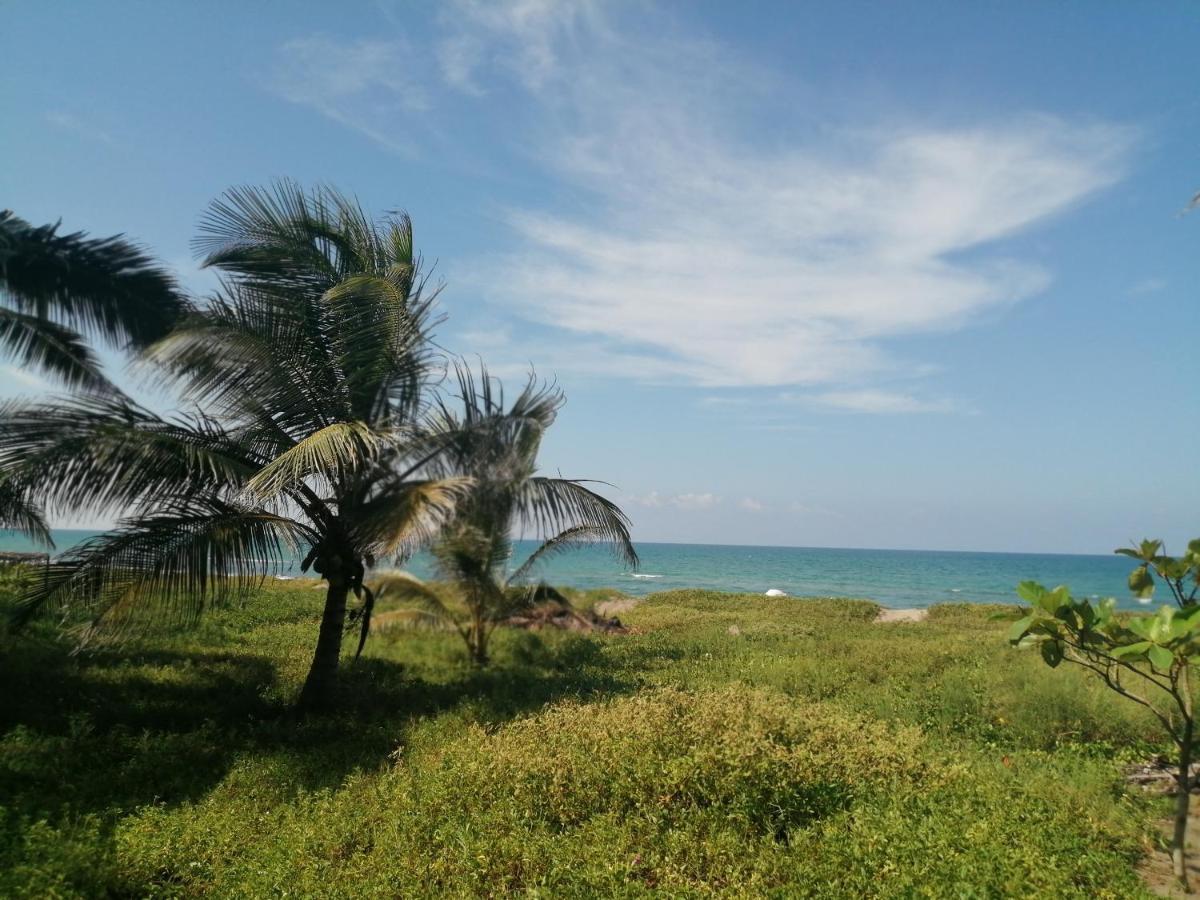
[897, 578]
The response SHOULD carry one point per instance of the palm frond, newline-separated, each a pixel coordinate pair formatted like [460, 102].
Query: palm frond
[408, 620]
[382, 345]
[574, 536]
[37, 342]
[341, 296]
[546, 505]
[486, 437]
[166, 567]
[105, 287]
[404, 587]
[336, 453]
[283, 235]
[19, 514]
[473, 555]
[408, 515]
[242, 357]
[103, 454]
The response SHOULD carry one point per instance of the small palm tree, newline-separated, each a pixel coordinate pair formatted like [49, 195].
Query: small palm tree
[312, 365]
[56, 289]
[497, 449]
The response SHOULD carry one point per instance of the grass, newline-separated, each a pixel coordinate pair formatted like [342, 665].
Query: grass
[731, 745]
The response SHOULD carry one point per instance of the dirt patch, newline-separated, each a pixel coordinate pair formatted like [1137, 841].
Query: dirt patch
[564, 618]
[901, 615]
[1156, 867]
[1158, 776]
[616, 607]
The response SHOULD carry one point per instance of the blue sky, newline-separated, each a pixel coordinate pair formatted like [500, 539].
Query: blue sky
[875, 275]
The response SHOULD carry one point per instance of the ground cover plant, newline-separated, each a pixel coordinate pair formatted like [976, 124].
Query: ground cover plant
[730, 745]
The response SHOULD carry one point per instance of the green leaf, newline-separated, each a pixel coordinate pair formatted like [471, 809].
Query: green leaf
[1030, 591]
[1141, 582]
[1173, 568]
[1052, 653]
[1018, 629]
[1131, 649]
[1141, 625]
[1161, 657]
[1053, 601]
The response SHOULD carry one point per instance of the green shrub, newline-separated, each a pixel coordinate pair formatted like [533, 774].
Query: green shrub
[766, 762]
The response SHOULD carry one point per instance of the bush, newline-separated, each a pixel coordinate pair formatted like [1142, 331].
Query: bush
[767, 763]
[736, 765]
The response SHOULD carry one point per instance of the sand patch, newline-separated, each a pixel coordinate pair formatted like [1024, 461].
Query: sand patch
[901, 615]
[611, 608]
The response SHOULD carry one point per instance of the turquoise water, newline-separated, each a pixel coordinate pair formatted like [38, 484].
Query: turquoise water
[891, 577]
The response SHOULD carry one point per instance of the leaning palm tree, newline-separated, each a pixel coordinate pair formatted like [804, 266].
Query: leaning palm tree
[57, 290]
[311, 366]
[497, 449]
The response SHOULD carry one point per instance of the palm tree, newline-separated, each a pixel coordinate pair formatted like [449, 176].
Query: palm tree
[55, 289]
[498, 449]
[312, 365]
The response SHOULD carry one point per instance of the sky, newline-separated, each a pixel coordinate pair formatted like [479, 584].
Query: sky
[906, 275]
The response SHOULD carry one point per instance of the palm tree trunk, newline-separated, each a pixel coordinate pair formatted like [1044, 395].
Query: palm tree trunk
[318, 687]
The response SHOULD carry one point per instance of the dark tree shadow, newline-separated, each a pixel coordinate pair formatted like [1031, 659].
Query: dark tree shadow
[110, 731]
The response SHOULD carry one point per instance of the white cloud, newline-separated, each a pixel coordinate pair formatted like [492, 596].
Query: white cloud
[876, 401]
[655, 500]
[695, 501]
[525, 38]
[734, 267]
[713, 253]
[1149, 286]
[366, 85]
[700, 246]
[78, 126]
[808, 509]
[751, 505]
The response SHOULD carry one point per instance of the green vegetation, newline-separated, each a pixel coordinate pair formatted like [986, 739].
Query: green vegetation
[1148, 660]
[312, 371]
[732, 745]
[497, 449]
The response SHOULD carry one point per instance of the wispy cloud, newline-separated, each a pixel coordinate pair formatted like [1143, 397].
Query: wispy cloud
[751, 505]
[712, 259]
[366, 85]
[530, 40]
[811, 510]
[877, 401]
[80, 127]
[655, 500]
[1148, 286]
[700, 249]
